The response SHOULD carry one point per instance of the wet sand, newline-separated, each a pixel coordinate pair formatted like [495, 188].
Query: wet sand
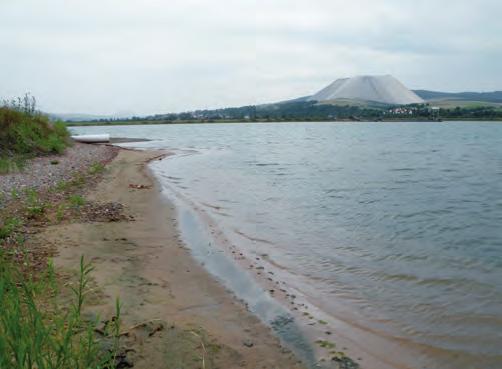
[144, 262]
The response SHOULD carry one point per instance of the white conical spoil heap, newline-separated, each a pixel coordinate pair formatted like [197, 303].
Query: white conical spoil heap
[382, 89]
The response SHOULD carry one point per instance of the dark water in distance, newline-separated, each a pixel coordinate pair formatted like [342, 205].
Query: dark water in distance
[397, 225]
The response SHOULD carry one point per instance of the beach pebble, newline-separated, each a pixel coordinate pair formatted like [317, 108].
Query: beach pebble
[39, 174]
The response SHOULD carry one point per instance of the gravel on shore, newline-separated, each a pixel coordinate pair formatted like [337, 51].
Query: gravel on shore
[47, 171]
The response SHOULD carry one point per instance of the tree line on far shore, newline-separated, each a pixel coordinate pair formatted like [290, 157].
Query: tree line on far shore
[315, 111]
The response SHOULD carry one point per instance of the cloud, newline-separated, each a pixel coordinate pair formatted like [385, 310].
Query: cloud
[156, 56]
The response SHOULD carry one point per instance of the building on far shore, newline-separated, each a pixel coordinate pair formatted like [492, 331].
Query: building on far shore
[435, 112]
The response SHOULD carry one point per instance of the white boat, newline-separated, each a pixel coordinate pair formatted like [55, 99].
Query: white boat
[92, 138]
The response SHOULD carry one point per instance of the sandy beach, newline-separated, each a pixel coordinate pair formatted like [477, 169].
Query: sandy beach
[191, 296]
[174, 313]
[246, 184]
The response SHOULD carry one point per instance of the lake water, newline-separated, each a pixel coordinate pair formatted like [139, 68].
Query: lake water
[393, 228]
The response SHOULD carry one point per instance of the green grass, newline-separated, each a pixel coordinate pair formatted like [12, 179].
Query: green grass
[38, 332]
[96, 168]
[34, 204]
[60, 211]
[24, 135]
[14, 193]
[464, 104]
[42, 325]
[9, 226]
[77, 181]
[76, 201]
[12, 163]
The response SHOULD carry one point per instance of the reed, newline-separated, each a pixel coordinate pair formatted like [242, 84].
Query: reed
[37, 332]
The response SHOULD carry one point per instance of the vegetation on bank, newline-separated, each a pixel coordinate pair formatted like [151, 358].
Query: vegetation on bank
[37, 331]
[25, 133]
[48, 318]
[42, 324]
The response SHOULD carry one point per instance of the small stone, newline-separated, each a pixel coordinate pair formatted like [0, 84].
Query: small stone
[248, 343]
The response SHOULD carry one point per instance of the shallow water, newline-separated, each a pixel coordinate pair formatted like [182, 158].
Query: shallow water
[395, 226]
[197, 234]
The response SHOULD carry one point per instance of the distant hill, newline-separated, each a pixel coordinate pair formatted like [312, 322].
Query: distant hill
[377, 89]
[494, 97]
[79, 117]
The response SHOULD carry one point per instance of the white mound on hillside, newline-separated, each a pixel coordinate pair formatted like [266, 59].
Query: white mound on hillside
[382, 89]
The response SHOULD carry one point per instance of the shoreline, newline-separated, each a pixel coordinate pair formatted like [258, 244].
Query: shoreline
[369, 346]
[162, 270]
[319, 335]
[146, 263]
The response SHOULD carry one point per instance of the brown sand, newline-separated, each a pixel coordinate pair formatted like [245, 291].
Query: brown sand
[145, 263]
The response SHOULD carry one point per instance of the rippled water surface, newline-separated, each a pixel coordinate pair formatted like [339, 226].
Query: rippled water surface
[397, 226]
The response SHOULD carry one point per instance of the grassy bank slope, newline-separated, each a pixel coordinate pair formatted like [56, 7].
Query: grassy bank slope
[25, 134]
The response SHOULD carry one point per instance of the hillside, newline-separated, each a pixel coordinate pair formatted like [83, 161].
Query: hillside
[494, 97]
[465, 104]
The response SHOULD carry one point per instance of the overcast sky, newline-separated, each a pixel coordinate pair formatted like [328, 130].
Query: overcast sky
[145, 56]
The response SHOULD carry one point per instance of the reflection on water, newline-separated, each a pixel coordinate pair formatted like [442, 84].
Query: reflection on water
[395, 226]
[258, 302]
